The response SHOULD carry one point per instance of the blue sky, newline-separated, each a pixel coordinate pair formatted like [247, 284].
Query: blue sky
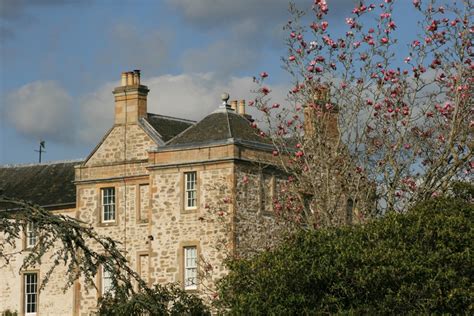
[60, 60]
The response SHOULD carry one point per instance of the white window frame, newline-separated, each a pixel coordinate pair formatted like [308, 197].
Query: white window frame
[190, 190]
[108, 205]
[106, 281]
[30, 293]
[190, 273]
[31, 235]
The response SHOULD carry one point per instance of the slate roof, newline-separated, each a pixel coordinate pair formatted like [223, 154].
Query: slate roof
[220, 125]
[167, 126]
[48, 184]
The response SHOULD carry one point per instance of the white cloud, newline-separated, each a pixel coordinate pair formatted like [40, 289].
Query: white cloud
[41, 109]
[45, 110]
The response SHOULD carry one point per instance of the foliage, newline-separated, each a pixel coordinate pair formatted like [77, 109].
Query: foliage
[161, 300]
[371, 120]
[62, 239]
[9, 313]
[419, 262]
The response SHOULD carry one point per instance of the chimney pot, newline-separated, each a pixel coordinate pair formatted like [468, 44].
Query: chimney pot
[241, 107]
[124, 79]
[233, 105]
[136, 76]
[129, 78]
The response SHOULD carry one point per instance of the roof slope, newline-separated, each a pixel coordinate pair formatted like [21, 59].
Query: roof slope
[167, 126]
[43, 184]
[220, 125]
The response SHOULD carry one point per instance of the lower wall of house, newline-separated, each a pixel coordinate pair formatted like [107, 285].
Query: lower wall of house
[52, 300]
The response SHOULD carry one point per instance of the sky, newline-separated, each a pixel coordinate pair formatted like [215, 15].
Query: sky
[61, 59]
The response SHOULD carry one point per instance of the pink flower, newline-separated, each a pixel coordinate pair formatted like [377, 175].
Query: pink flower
[299, 154]
[384, 40]
[407, 146]
[263, 74]
[416, 3]
[292, 58]
[275, 153]
[324, 25]
[265, 90]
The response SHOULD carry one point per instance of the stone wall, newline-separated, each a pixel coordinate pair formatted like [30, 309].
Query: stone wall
[207, 227]
[123, 143]
[256, 224]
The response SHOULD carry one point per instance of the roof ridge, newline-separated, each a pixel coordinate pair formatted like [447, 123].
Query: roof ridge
[228, 124]
[48, 163]
[172, 118]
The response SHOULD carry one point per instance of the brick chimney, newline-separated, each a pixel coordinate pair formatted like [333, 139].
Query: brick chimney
[130, 99]
[317, 112]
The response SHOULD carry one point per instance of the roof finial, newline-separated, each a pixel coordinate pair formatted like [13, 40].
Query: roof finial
[225, 97]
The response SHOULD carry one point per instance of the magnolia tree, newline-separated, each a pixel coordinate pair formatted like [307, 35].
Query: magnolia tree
[367, 130]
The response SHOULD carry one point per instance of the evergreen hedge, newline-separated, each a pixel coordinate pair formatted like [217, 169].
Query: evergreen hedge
[419, 262]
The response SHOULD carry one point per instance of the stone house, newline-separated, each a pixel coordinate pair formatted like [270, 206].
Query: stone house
[156, 184]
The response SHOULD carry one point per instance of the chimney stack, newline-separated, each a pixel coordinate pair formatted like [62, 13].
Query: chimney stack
[327, 121]
[130, 99]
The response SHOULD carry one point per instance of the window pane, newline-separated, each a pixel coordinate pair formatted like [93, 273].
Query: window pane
[31, 295]
[108, 204]
[190, 268]
[107, 284]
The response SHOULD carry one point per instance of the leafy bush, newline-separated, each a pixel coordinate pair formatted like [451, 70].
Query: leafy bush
[414, 263]
[160, 300]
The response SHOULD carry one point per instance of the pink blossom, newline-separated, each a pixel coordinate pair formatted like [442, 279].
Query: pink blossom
[275, 153]
[324, 25]
[263, 74]
[292, 58]
[265, 90]
[407, 146]
[416, 3]
[384, 40]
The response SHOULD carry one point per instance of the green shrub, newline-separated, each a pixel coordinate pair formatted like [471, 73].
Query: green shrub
[160, 300]
[420, 262]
